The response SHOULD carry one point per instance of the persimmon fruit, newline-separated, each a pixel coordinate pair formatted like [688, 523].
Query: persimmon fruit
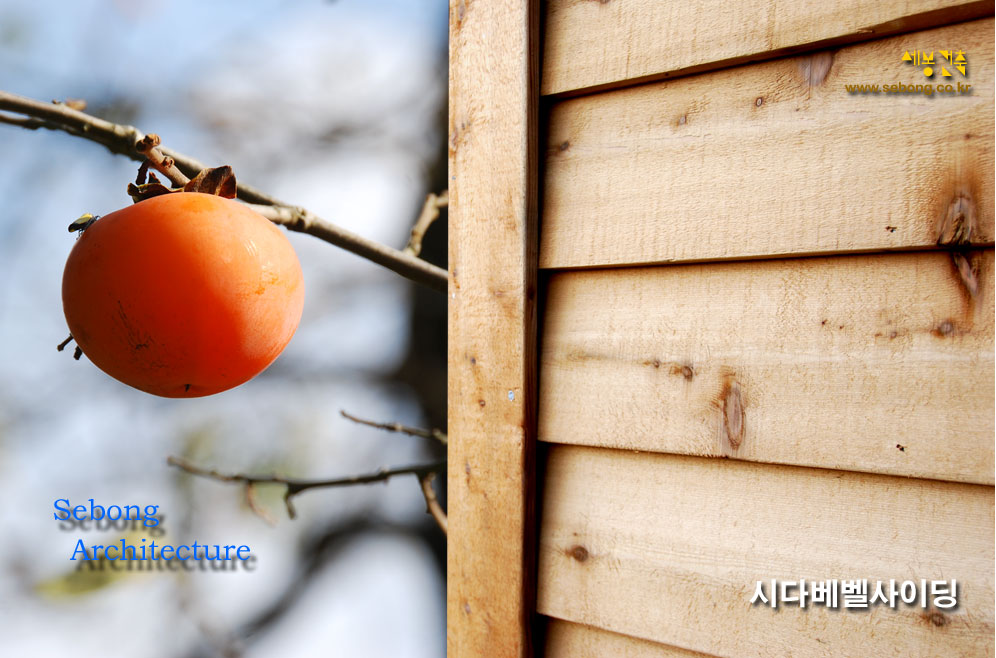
[182, 295]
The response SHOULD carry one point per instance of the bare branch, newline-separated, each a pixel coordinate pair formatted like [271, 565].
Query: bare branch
[432, 505]
[434, 433]
[21, 122]
[429, 214]
[294, 486]
[303, 221]
[116, 138]
[122, 140]
[149, 147]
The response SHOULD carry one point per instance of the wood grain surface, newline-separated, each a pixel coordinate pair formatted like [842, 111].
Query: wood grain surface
[773, 159]
[565, 639]
[592, 45]
[880, 363]
[492, 326]
[670, 549]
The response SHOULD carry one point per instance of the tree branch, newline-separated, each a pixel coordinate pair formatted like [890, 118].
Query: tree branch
[429, 214]
[432, 505]
[294, 487]
[22, 122]
[148, 147]
[122, 140]
[302, 221]
[434, 433]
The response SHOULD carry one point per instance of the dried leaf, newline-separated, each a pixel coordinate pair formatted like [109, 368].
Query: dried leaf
[147, 190]
[91, 578]
[219, 181]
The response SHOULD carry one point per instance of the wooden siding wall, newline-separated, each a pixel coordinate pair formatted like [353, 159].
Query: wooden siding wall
[767, 326]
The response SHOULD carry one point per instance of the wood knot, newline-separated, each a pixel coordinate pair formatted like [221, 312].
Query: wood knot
[457, 131]
[956, 225]
[578, 552]
[945, 328]
[936, 618]
[564, 145]
[759, 102]
[954, 230]
[733, 414]
[683, 370]
[814, 69]
[967, 273]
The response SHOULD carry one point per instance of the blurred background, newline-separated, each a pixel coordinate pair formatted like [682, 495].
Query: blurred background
[335, 106]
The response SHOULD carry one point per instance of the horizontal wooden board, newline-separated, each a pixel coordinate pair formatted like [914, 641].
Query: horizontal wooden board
[670, 548]
[879, 363]
[568, 640]
[598, 44]
[772, 159]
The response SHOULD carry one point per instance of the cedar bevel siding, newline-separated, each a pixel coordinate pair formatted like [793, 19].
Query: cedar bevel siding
[719, 321]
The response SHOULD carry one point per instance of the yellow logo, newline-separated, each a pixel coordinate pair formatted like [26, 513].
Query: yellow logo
[940, 63]
[920, 58]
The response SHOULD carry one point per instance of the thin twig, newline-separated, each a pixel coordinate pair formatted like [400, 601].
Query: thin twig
[21, 122]
[122, 139]
[294, 486]
[149, 147]
[303, 221]
[434, 433]
[432, 505]
[429, 214]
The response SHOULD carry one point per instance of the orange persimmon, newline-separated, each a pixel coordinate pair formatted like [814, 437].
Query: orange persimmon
[182, 295]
